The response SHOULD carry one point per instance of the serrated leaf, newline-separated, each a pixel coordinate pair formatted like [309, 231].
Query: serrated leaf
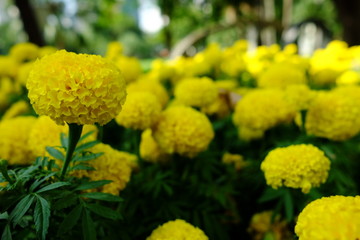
[55, 153]
[87, 145]
[42, 216]
[87, 157]
[82, 167]
[65, 202]
[94, 184]
[53, 186]
[86, 135]
[21, 208]
[104, 211]
[4, 215]
[88, 227]
[102, 196]
[40, 181]
[64, 140]
[70, 220]
[270, 194]
[6, 233]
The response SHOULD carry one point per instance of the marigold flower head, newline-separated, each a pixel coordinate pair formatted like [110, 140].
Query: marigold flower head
[7, 89]
[300, 96]
[349, 77]
[14, 134]
[23, 73]
[130, 67]
[114, 50]
[16, 109]
[140, 111]
[177, 230]
[248, 134]
[220, 107]
[330, 218]
[8, 67]
[263, 109]
[161, 70]
[76, 88]
[236, 159]
[150, 150]
[297, 166]
[196, 92]
[183, 130]
[333, 115]
[280, 75]
[22, 52]
[113, 165]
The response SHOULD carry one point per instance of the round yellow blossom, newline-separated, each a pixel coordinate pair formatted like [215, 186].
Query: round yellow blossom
[161, 70]
[226, 84]
[297, 166]
[130, 67]
[16, 109]
[23, 73]
[330, 218]
[113, 165]
[14, 134]
[7, 89]
[76, 88]
[280, 75]
[262, 109]
[236, 159]
[140, 111]
[45, 132]
[249, 134]
[196, 92]
[299, 96]
[183, 130]
[22, 52]
[177, 230]
[150, 150]
[349, 77]
[8, 67]
[149, 85]
[220, 107]
[114, 50]
[333, 115]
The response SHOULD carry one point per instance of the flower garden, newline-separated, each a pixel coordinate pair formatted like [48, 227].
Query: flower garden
[226, 144]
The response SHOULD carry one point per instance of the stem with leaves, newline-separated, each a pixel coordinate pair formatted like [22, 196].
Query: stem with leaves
[74, 136]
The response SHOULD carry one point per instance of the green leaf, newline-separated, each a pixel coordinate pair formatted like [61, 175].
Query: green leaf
[40, 181]
[7, 233]
[4, 215]
[53, 186]
[70, 220]
[87, 145]
[289, 206]
[270, 194]
[55, 153]
[94, 184]
[104, 211]
[86, 135]
[87, 157]
[88, 226]
[66, 201]
[21, 208]
[42, 216]
[82, 167]
[102, 196]
[64, 140]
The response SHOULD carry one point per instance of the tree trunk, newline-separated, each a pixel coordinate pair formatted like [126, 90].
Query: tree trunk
[30, 22]
[348, 13]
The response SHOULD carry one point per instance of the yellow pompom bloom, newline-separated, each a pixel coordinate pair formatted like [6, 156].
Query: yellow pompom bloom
[76, 88]
[330, 218]
[297, 166]
[333, 115]
[183, 130]
[7, 89]
[236, 159]
[299, 96]
[140, 111]
[349, 77]
[196, 92]
[45, 132]
[130, 67]
[16, 109]
[22, 52]
[149, 85]
[248, 134]
[263, 109]
[114, 50]
[23, 73]
[113, 165]
[220, 107]
[177, 230]
[150, 150]
[161, 70]
[8, 67]
[14, 134]
[280, 75]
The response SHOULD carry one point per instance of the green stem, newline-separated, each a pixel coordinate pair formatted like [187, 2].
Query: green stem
[4, 171]
[74, 136]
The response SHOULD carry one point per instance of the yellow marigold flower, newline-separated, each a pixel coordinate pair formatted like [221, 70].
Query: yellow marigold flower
[349, 77]
[226, 84]
[140, 111]
[330, 218]
[236, 159]
[76, 88]
[23, 73]
[130, 67]
[7, 89]
[262, 225]
[183, 130]
[114, 50]
[161, 70]
[177, 230]
[248, 134]
[113, 165]
[8, 67]
[299, 96]
[16, 109]
[280, 75]
[196, 92]
[333, 115]
[263, 109]
[46, 50]
[14, 134]
[220, 107]
[22, 52]
[150, 150]
[45, 132]
[150, 85]
[297, 166]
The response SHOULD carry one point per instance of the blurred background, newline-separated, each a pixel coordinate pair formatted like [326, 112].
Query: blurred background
[164, 28]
